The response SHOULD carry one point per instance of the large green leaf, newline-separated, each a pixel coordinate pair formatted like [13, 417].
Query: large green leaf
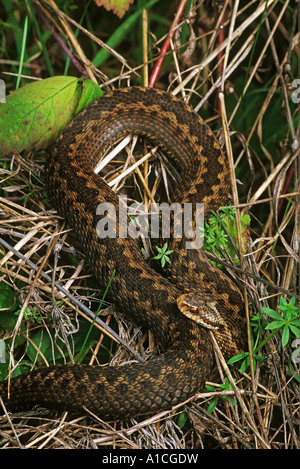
[34, 115]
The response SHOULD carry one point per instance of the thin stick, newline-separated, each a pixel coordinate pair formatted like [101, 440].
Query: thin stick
[166, 45]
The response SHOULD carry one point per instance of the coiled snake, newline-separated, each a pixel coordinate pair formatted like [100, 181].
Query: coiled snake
[194, 287]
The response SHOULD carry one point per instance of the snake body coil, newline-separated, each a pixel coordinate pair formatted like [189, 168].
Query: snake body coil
[146, 297]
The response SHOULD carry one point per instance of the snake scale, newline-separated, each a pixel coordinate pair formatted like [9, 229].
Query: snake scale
[194, 293]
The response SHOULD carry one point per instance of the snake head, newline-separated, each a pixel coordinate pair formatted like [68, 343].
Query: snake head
[200, 310]
[205, 313]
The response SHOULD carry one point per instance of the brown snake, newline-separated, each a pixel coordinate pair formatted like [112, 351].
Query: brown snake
[194, 287]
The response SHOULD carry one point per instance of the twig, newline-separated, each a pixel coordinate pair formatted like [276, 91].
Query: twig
[166, 45]
[63, 46]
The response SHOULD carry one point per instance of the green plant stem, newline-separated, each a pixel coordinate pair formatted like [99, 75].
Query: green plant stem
[22, 51]
[266, 339]
[41, 39]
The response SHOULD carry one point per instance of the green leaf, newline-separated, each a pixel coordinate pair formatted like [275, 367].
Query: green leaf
[295, 330]
[283, 302]
[237, 358]
[33, 116]
[285, 335]
[182, 419]
[275, 325]
[4, 370]
[7, 321]
[246, 363]
[90, 92]
[273, 314]
[210, 388]
[212, 405]
[7, 296]
[43, 343]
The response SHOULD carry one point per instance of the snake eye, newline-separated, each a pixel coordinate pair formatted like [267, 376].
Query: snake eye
[194, 309]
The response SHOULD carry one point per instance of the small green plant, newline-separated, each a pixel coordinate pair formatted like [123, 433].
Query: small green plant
[163, 254]
[287, 323]
[246, 360]
[30, 314]
[224, 387]
[214, 232]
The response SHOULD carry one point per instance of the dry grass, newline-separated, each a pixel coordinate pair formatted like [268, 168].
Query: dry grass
[263, 185]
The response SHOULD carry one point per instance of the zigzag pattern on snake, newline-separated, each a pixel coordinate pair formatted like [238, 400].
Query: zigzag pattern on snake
[144, 295]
